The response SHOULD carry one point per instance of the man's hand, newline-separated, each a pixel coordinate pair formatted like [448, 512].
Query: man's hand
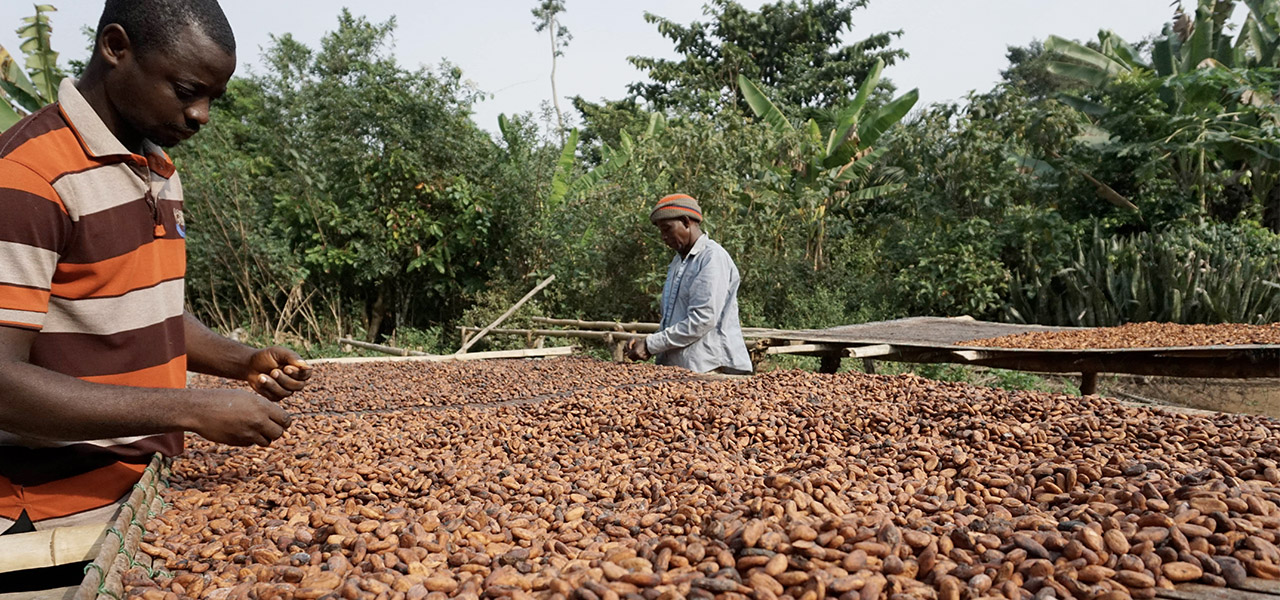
[237, 418]
[277, 372]
[637, 350]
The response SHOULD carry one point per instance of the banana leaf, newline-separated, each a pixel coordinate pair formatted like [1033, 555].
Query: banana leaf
[1083, 73]
[848, 119]
[762, 106]
[870, 129]
[1079, 53]
[564, 168]
[8, 116]
[1200, 46]
[859, 168]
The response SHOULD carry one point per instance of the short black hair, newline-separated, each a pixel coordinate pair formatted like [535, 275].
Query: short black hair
[159, 24]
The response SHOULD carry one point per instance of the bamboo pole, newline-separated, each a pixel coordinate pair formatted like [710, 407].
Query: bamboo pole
[603, 336]
[380, 348]
[50, 548]
[630, 327]
[634, 327]
[498, 354]
[608, 337]
[510, 311]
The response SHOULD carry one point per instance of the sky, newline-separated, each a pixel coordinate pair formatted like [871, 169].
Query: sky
[956, 46]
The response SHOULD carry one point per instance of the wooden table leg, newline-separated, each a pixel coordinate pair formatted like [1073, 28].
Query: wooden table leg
[1088, 384]
[830, 364]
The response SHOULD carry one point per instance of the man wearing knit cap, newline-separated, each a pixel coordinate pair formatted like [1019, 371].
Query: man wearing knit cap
[699, 329]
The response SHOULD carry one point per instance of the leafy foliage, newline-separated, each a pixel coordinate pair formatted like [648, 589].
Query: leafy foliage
[1202, 275]
[369, 178]
[24, 92]
[794, 48]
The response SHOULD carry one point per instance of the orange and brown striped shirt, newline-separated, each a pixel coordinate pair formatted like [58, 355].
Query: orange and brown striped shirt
[92, 256]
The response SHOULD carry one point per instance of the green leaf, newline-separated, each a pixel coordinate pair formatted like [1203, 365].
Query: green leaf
[1031, 165]
[871, 193]
[1162, 54]
[24, 99]
[12, 73]
[762, 106]
[1200, 46]
[1087, 107]
[849, 115]
[859, 168]
[8, 116]
[564, 168]
[1085, 55]
[870, 130]
[814, 133]
[657, 123]
[1082, 73]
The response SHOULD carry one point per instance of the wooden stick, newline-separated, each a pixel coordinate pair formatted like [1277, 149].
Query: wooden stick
[510, 311]
[380, 348]
[568, 333]
[50, 548]
[803, 349]
[601, 336]
[498, 354]
[636, 327]
[870, 351]
[967, 355]
[601, 325]
[63, 593]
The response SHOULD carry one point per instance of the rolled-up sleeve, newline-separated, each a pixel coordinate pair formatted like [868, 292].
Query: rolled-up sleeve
[708, 291]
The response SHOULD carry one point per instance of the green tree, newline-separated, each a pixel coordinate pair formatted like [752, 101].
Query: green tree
[793, 48]
[1201, 108]
[839, 165]
[24, 92]
[370, 178]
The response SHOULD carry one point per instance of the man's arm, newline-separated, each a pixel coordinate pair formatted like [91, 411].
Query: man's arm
[275, 372]
[708, 293]
[42, 404]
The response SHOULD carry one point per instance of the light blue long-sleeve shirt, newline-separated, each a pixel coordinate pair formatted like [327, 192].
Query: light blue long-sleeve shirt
[699, 329]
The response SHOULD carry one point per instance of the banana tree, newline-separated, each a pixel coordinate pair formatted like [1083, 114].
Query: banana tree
[1186, 44]
[613, 160]
[840, 165]
[23, 92]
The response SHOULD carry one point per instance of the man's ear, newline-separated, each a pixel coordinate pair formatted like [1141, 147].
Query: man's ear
[114, 45]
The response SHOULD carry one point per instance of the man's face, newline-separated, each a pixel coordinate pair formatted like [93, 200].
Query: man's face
[164, 94]
[676, 233]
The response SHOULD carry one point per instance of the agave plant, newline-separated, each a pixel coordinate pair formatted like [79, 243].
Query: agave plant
[23, 92]
[1206, 275]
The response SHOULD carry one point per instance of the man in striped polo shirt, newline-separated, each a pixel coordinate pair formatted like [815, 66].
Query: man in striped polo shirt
[94, 340]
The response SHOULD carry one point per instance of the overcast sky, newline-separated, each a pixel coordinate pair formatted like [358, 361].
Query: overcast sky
[956, 46]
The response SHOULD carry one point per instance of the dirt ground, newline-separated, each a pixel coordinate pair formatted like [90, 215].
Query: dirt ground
[1249, 396]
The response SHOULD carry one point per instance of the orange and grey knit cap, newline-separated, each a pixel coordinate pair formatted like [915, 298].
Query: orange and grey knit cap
[675, 206]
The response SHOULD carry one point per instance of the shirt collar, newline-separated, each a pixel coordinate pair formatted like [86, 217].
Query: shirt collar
[699, 245]
[96, 139]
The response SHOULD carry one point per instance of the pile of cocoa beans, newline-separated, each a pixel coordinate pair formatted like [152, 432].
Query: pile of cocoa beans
[784, 485]
[1138, 335]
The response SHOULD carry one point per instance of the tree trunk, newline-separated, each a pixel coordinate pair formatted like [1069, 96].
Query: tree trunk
[555, 97]
[377, 313]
